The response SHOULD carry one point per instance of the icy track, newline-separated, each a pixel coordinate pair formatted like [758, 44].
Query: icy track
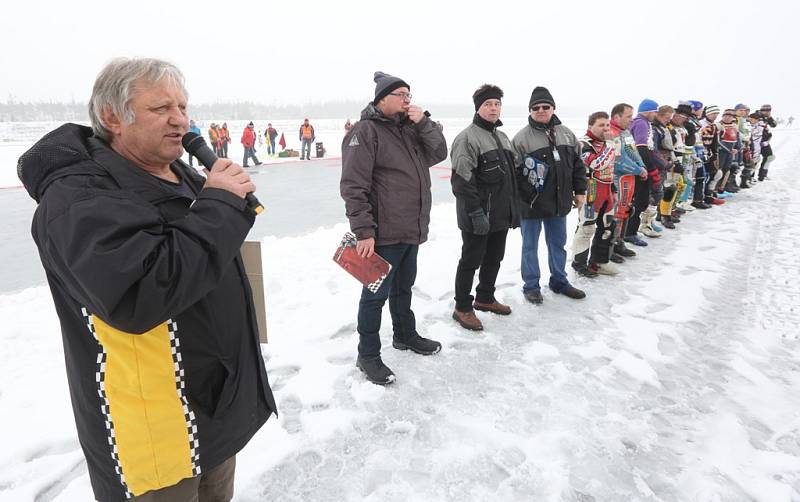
[678, 380]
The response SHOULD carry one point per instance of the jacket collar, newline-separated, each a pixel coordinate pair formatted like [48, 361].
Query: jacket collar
[485, 124]
[615, 125]
[554, 121]
[371, 112]
[131, 177]
[593, 137]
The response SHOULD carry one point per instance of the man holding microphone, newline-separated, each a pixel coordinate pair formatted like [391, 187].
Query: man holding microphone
[142, 258]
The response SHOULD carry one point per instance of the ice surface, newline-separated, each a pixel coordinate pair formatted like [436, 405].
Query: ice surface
[677, 380]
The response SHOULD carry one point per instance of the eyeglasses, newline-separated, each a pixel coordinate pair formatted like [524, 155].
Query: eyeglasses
[401, 95]
[544, 108]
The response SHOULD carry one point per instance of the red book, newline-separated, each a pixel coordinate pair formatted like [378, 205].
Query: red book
[371, 272]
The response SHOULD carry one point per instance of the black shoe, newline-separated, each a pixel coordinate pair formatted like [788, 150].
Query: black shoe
[583, 270]
[534, 296]
[375, 371]
[622, 250]
[418, 344]
[680, 210]
[616, 258]
[667, 222]
[571, 292]
[700, 205]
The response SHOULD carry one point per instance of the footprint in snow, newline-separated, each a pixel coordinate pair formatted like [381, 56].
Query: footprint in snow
[344, 331]
[290, 408]
[657, 307]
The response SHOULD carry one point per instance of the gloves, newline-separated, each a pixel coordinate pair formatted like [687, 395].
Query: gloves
[480, 222]
[677, 168]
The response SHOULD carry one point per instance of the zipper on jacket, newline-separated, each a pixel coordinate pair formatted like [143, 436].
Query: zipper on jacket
[489, 205]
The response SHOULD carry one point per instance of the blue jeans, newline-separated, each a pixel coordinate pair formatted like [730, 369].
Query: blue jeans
[397, 288]
[555, 234]
[305, 148]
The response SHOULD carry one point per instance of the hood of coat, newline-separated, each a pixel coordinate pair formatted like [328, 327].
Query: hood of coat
[554, 121]
[60, 152]
[371, 112]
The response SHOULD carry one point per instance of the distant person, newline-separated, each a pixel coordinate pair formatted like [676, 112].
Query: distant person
[271, 135]
[142, 257]
[789, 121]
[484, 184]
[213, 139]
[386, 187]
[193, 128]
[767, 155]
[307, 136]
[551, 181]
[347, 126]
[249, 143]
[225, 139]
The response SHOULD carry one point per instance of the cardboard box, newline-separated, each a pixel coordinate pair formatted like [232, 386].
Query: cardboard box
[251, 255]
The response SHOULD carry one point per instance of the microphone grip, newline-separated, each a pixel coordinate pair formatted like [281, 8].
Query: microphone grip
[207, 157]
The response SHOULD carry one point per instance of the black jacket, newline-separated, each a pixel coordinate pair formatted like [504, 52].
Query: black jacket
[160, 339]
[483, 176]
[554, 146]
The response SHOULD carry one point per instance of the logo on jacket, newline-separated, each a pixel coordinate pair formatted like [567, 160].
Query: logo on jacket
[536, 172]
[353, 141]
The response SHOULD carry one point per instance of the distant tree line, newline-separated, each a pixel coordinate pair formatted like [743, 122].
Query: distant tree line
[18, 111]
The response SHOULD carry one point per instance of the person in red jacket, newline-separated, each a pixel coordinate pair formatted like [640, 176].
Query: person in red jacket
[249, 143]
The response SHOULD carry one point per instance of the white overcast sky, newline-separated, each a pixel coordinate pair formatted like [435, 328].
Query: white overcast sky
[272, 51]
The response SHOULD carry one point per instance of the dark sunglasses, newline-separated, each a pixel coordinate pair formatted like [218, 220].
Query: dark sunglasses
[540, 107]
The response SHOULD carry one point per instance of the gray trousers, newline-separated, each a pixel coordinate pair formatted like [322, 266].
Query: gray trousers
[215, 485]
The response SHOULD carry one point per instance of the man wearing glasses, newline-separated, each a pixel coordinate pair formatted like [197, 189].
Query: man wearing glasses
[386, 187]
[551, 181]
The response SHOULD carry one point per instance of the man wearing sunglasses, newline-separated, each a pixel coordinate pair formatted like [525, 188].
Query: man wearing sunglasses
[386, 187]
[551, 180]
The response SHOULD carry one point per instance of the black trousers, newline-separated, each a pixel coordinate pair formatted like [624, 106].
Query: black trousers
[641, 199]
[484, 252]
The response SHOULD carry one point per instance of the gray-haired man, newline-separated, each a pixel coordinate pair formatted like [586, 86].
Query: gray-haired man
[157, 319]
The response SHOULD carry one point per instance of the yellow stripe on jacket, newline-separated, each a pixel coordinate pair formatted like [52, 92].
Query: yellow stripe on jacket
[146, 412]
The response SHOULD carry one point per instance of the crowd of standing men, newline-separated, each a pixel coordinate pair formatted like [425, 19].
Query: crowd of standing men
[628, 176]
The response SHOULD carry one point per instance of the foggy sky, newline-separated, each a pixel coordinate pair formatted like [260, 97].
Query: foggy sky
[272, 51]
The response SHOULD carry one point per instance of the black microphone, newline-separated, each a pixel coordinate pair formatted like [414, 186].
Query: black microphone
[196, 145]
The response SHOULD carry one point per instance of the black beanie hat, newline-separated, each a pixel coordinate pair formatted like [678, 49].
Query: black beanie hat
[486, 92]
[684, 109]
[385, 83]
[541, 95]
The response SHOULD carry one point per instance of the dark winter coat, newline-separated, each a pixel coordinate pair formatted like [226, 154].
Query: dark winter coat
[556, 147]
[160, 337]
[386, 182]
[483, 176]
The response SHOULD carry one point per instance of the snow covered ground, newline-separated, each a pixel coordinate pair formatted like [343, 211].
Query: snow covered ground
[676, 381]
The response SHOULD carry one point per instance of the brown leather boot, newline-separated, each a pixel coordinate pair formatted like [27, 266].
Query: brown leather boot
[468, 320]
[495, 307]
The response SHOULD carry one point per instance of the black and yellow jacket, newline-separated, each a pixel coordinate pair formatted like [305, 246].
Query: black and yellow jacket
[160, 339]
